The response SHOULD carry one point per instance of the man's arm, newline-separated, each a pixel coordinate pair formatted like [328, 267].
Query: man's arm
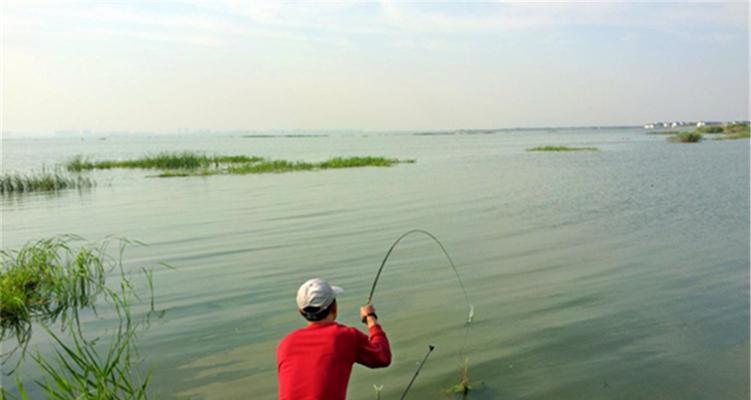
[373, 351]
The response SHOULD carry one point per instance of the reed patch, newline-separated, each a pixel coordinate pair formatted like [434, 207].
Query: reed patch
[52, 280]
[195, 164]
[562, 148]
[43, 181]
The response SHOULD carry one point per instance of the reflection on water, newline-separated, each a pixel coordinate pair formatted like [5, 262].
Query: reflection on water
[621, 273]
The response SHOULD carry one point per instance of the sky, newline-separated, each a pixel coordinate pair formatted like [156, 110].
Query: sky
[169, 66]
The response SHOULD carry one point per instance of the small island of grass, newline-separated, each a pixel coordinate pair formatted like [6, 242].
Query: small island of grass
[686, 137]
[562, 148]
[195, 164]
[720, 132]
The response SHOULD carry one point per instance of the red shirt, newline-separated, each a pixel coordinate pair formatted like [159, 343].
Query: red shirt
[314, 363]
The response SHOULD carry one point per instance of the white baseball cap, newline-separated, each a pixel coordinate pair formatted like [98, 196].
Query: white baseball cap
[316, 293]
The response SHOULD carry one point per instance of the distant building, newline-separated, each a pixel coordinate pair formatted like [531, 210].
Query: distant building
[700, 124]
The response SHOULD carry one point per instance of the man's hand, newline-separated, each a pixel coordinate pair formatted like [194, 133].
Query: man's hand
[368, 315]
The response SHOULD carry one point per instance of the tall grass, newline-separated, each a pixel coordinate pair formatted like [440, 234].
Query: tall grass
[737, 131]
[166, 161]
[46, 281]
[50, 280]
[687, 137]
[278, 166]
[42, 182]
[562, 148]
[710, 129]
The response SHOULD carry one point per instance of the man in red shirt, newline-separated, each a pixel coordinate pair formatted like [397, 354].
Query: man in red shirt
[314, 362]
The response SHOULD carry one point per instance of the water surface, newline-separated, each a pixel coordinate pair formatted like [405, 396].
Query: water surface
[622, 273]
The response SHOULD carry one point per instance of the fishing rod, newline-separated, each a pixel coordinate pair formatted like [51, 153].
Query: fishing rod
[419, 368]
[471, 308]
[443, 249]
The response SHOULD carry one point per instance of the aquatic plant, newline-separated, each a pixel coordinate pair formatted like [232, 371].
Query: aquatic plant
[43, 181]
[45, 281]
[562, 148]
[196, 164]
[710, 129]
[50, 280]
[167, 160]
[186, 172]
[279, 166]
[270, 166]
[736, 131]
[465, 384]
[686, 137]
[378, 389]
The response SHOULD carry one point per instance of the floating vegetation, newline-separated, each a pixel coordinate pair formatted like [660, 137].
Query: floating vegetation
[562, 148]
[465, 385]
[196, 164]
[710, 129]
[166, 161]
[279, 166]
[720, 132]
[686, 137]
[49, 281]
[177, 173]
[42, 182]
[736, 131]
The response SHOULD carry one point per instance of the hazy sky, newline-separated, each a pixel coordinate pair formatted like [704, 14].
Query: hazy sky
[162, 66]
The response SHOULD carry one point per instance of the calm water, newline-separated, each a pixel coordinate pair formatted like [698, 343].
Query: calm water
[622, 273]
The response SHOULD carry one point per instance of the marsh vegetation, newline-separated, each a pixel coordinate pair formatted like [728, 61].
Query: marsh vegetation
[165, 161]
[562, 148]
[43, 181]
[687, 137]
[719, 132]
[195, 164]
[51, 281]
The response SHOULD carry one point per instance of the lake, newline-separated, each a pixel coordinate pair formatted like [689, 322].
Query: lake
[621, 273]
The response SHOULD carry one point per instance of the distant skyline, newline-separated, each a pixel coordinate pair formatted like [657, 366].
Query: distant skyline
[389, 65]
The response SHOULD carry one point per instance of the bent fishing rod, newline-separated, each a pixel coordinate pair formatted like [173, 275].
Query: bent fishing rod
[443, 249]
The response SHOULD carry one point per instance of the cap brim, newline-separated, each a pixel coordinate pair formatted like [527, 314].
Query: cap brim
[337, 290]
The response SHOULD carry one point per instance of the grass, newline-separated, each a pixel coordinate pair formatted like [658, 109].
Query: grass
[687, 137]
[45, 281]
[721, 132]
[42, 182]
[166, 161]
[50, 280]
[710, 129]
[562, 148]
[736, 131]
[280, 166]
[465, 385]
[196, 164]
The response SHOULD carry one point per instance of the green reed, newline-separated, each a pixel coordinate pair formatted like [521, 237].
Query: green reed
[46, 281]
[43, 181]
[465, 385]
[196, 164]
[185, 160]
[280, 166]
[562, 148]
[52, 280]
[687, 137]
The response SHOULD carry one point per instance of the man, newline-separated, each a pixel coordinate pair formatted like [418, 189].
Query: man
[314, 362]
